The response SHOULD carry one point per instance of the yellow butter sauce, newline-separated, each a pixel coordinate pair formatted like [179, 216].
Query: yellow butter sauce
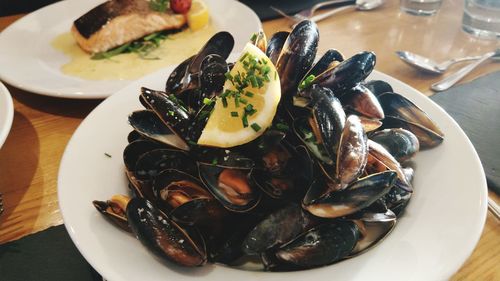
[175, 49]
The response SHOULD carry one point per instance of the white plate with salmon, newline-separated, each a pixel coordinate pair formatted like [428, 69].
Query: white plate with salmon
[91, 49]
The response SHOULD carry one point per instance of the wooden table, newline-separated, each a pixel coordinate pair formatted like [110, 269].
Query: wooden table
[29, 160]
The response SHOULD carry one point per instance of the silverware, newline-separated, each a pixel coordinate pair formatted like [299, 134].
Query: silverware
[450, 80]
[361, 5]
[494, 208]
[427, 64]
[307, 13]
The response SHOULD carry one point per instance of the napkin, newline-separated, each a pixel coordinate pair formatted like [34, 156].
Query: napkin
[46, 255]
[476, 108]
[263, 10]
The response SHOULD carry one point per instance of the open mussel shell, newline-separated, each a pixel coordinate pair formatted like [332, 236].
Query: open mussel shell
[133, 136]
[330, 58]
[173, 114]
[397, 199]
[374, 227]
[259, 39]
[426, 138]
[362, 101]
[275, 45]
[348, 73]
[149, 125]
[297, 55]
[358, 195]
[379, 159]
[278, 228]
[287, 172]
[221, 44]
[174, 81]
[232, 187]
[369, 124]
[352, 152]
[114, 210]
[400, 143]
[187, 198]
[136, 149]
[401, 109]
[163, 236]
[321, 245]
[378, 87]
[212, 76]
[152, 163]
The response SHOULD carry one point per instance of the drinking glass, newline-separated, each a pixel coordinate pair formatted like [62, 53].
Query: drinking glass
[482, 18]
[420, 7]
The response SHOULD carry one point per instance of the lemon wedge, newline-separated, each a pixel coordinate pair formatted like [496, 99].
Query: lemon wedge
[198, 15]
[243, 115]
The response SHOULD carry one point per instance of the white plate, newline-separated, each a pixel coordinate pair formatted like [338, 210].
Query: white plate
[34, 65]
[6, 113]
[438, 231]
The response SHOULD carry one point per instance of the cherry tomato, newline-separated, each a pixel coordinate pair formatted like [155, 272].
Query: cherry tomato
[180, 6]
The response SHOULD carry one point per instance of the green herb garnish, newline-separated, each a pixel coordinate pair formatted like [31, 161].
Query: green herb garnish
[307, 82]
[108, 155]
[234, 114]
[255, 127]
[159, 5]
[142, 47]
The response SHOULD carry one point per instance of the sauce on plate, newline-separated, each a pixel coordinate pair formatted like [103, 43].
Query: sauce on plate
[172, 51]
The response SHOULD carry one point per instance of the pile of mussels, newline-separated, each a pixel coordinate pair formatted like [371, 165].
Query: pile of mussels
[325, 183]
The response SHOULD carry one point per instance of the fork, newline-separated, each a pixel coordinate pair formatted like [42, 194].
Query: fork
[307, 13]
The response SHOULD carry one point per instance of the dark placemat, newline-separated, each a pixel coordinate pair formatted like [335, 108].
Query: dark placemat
[476, 108]
[46, 255]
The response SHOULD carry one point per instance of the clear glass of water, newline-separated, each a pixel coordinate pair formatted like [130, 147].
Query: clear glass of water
[421, 7]
[482, 18]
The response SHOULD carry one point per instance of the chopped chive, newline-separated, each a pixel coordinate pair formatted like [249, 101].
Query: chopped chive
[214, 161]
[254, 36]
[275, 75]
[282, 126]
[228, 76]
[243, 101]
[207, 101]
[253, 81]
[266, 69]
[249, 107]
[171, 113]
[245, 120]
[244, 57]
[234, 114]
[266, 78]
[251, 112]
[237, 101]
[255, 127]
[224, 101]
[249, 94]
[260, 81]
[192, 142]
[108, 155]
[307, 82]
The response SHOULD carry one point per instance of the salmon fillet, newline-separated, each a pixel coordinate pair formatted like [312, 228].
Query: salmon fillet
[116, 22]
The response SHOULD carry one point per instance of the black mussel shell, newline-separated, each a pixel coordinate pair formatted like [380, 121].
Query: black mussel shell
[232, 187]
[163, 236]
[275, 45]
[152, 163]
[321, 245]
[149, 125]
[401, 143]
[378, 87]
[330, 59]
[136, 149]
[297, 55]
[358, 195]
[174, 81]
[352, 153]
[362, 101]
[348, 73]
[278, 228]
